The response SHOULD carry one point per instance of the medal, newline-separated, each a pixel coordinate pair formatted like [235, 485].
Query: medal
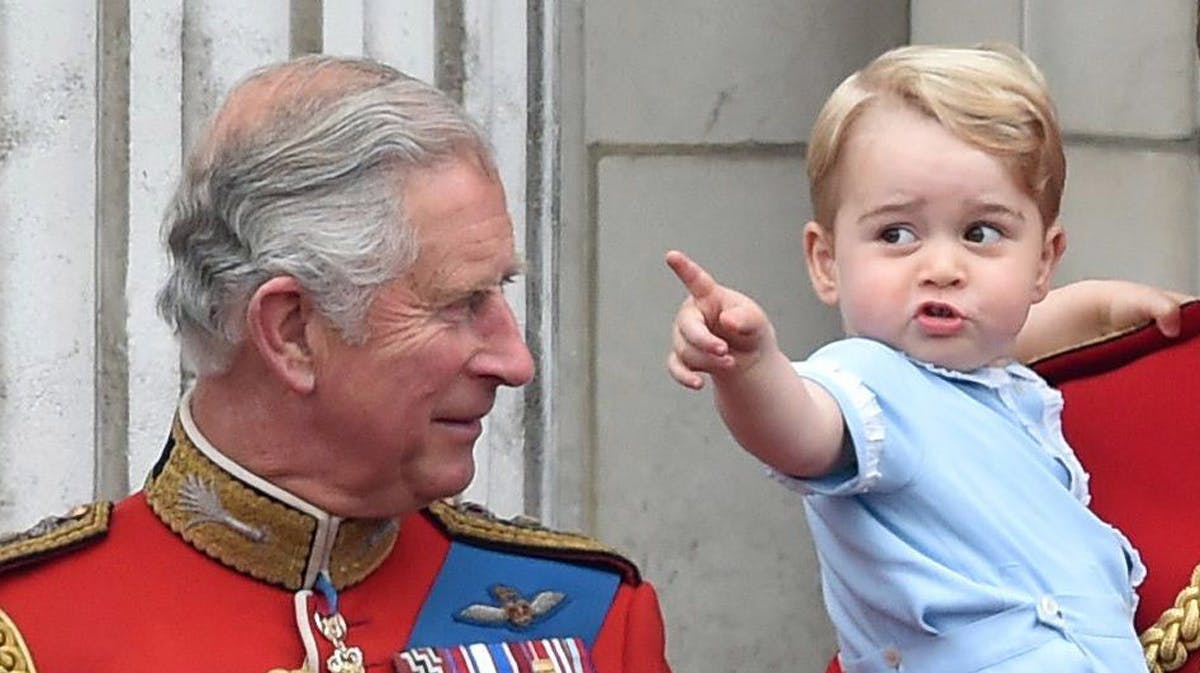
[345, 659]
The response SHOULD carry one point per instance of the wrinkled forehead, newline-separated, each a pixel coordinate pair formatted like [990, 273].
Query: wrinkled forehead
[460, 217]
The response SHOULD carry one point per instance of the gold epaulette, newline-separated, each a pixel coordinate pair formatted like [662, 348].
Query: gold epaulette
[473, 523]
[55, 535]
[14, 655]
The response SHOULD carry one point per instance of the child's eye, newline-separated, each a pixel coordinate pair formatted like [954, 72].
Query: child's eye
[897, 235]
[984, 234]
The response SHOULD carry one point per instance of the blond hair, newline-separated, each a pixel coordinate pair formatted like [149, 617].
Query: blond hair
[990, 96]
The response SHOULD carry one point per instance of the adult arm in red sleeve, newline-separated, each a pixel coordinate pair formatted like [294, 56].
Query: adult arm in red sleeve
[632, 638]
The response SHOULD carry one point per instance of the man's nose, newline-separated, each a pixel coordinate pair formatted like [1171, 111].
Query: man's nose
[503, 354]
[942, 265]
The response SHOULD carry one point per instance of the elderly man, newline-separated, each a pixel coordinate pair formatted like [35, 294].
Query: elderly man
[340, 240]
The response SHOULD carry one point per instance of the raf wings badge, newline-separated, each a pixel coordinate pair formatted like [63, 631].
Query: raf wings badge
[514, 612]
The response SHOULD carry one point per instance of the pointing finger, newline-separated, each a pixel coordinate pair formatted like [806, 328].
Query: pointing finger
[693, 276]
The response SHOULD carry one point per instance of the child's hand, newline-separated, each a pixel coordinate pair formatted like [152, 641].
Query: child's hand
[1131, 304]
[717, 330]
[1091, 309]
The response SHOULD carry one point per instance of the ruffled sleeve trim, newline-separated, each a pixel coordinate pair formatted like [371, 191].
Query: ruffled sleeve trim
[1052, 406]
[865, 427]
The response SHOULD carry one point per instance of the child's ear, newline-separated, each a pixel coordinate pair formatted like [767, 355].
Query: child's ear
[818, 253]
[1054, 244]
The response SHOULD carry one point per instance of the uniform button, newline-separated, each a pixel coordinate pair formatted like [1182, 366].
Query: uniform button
[1049, 611]
[892, 657]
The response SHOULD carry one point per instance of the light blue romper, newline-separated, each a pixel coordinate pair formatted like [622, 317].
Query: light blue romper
[961, 540]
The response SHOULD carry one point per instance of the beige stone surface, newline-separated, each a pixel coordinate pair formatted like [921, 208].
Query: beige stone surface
[727, 547]
[966, 21]
[694, 72]
[1132, 213]
[1118, 68]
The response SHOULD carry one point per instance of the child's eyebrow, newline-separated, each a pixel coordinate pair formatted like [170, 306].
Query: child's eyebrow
[991, 208]
[977, 208]
[894, 208]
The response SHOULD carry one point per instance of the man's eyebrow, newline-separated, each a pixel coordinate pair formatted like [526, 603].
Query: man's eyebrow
[518, 267]
[510, 273]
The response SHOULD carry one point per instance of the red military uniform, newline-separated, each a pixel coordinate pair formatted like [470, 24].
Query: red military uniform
[1130, 414]
[211, 569]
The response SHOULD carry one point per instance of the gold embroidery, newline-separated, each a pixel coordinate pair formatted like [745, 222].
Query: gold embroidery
[357, 550]
[473, 522]
[54, 534]
[1176, 634]
[253, 532]
[14, 655]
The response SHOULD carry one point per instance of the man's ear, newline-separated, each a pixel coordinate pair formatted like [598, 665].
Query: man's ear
[1054, 244]
[818, 254]
[277, 325]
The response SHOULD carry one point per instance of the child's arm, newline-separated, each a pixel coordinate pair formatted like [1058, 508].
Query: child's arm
[790, 423]
[1089, 309]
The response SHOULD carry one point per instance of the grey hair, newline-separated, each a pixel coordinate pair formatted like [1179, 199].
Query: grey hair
[312, 190]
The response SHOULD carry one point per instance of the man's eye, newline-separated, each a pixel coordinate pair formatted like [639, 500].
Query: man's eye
[478, 299]
[984, 234]
[469, 304]
[897, 235]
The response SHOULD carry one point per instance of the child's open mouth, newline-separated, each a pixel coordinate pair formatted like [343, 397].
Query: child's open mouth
[939, 319]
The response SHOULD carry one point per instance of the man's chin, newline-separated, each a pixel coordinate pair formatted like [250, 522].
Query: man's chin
[448, 484]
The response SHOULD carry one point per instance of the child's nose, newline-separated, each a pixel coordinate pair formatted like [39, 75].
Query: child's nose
[942, 266]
